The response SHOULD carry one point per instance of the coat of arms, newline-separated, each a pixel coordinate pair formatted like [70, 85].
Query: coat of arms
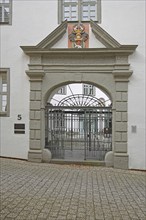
[78, 36]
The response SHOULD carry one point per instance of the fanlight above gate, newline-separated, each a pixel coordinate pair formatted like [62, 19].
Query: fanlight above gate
[83, 100]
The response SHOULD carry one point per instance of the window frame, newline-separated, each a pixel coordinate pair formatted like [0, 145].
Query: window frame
[87, 86]
[7, 93]
[9, 5]
[80, 3]
[62, 91]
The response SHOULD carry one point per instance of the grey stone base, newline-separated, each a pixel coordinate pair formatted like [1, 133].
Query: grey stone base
[35, 156]
[46, 155]
[109, 159]
[121, 161]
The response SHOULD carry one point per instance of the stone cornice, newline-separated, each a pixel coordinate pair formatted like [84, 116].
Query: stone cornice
[35, 75]
[113, 48]
[103, 36]
[122, 50]
[120, 75]
[53, 37]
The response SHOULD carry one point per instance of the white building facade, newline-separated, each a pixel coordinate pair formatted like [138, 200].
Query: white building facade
[38, 56]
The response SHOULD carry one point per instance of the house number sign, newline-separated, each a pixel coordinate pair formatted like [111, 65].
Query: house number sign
[19, 117]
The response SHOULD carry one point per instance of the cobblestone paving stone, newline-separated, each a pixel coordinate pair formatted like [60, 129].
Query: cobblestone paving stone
[32, 191]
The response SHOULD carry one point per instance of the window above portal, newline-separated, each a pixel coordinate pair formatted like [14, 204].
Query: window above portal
[79, 10]
[5, 12]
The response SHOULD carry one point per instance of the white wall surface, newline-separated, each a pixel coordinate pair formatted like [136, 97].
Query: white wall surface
[32, 21]
[128, 27]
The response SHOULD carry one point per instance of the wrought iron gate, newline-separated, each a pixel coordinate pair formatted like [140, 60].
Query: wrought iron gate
[78, 133]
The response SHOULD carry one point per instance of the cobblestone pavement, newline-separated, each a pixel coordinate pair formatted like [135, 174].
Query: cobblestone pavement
[70, 192]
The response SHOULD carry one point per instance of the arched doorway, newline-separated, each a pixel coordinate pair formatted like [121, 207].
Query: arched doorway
[79, 125]
[106, 67]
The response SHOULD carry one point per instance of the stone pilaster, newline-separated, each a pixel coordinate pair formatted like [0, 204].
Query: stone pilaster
[121, 119]
[35, 148]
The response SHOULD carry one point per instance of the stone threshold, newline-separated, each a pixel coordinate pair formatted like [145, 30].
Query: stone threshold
[78, 162]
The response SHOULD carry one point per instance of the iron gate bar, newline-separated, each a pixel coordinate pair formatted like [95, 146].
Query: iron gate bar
[87, 131]
[85, 136]
[71, 131]
[77, 107]
[82, 112]
[81, 99]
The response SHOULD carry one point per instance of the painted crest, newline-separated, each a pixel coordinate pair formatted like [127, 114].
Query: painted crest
[78, 36]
